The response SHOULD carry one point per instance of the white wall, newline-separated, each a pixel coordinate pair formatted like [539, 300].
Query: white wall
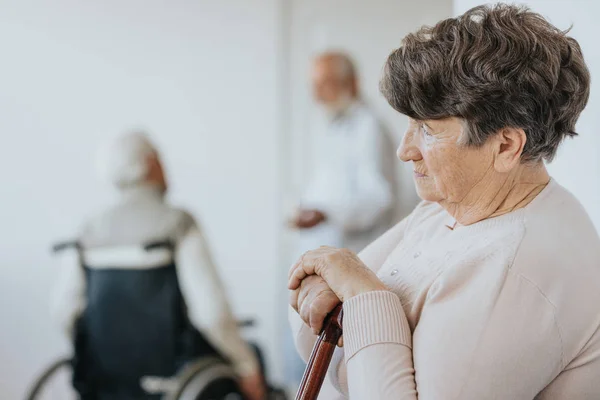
[577, 165]
[202, 76]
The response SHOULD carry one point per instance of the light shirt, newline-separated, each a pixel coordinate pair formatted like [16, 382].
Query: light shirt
[352, 182]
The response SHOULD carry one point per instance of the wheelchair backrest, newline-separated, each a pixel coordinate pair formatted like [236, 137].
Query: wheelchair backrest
[135, 321]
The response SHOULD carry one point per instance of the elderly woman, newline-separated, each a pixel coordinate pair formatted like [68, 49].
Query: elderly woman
[490, 288]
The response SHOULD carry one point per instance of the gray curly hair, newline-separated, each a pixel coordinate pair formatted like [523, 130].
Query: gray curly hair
[494, 67]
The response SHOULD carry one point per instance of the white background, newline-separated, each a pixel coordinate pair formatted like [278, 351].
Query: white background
[222, 86]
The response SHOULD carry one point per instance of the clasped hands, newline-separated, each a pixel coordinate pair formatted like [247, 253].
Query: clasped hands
[323, 278]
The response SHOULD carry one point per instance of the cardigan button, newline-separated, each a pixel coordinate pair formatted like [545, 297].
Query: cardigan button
[394, 272]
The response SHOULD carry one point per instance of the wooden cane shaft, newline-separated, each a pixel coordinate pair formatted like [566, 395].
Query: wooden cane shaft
[317, 366]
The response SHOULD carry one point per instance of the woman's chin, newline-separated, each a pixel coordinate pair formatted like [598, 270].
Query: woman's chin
[427, 193]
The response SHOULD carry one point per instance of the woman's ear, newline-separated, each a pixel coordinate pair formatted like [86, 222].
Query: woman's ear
[510, 143]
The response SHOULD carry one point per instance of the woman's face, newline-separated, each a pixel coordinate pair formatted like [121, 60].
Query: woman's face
[444, 169]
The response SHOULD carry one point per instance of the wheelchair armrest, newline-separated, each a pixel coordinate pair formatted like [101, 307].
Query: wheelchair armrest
[60, 246]
[159, 244]
[246, 323]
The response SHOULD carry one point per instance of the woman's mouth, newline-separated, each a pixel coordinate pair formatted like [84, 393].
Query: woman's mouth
[419, 175]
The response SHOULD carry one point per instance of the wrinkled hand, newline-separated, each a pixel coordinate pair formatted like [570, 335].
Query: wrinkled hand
[342, 270]
[253, 387]
[313, 300]
[306, 219]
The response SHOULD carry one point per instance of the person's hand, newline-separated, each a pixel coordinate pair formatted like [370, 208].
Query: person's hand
[253, 387]
[313, 300]
[342, 270]
[306, 219]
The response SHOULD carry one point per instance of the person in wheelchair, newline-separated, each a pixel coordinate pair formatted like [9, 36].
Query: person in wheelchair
[143, 298]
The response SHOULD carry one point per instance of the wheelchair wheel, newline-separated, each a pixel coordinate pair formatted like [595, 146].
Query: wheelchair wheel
[54, 383]
[206, 379]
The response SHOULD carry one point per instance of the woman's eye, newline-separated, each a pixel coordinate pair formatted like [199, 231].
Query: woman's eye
[425, 131]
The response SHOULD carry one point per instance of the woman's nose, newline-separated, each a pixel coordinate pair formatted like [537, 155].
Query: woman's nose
[408, 150]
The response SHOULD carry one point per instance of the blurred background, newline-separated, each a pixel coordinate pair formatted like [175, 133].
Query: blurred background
[223, 87]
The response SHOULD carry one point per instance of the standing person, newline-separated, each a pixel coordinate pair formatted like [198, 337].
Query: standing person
[349, 197]
[348, 200]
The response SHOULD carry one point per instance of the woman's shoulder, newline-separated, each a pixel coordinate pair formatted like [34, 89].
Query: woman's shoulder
[556, 207]
[560, 255]
[560, 245]
[557, 223]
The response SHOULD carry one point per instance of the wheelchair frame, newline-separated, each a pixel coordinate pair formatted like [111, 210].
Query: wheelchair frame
[186, 385]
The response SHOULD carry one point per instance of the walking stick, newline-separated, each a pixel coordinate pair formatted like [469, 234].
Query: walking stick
[317, 366]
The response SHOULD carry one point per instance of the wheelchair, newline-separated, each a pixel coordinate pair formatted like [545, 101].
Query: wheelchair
[208, 378]
[195, 382]
[205, 376]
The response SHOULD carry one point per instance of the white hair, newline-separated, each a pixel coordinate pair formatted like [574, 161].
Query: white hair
[124, 160]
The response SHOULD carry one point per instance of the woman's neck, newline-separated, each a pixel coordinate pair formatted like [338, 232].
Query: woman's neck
[500, 195]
